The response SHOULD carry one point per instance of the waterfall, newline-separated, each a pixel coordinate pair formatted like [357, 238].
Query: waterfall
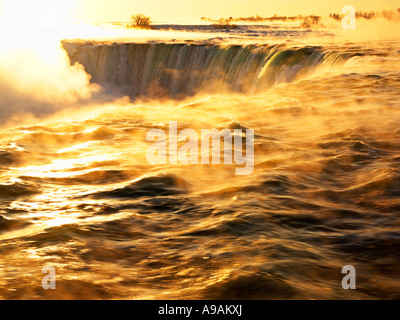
[180, 70]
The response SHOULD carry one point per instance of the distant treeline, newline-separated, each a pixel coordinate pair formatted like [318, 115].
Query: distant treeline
[256, 18]
[387, 14]
[226, 23]
[393, 15]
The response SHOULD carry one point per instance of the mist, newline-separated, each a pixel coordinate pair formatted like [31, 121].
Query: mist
[36, 78]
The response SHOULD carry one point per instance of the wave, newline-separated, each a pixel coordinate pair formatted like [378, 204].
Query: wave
[147, 187]
[17, 189]
[155, 70]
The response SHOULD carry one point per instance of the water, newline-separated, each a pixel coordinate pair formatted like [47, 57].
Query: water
[181, 70]
[77, 193]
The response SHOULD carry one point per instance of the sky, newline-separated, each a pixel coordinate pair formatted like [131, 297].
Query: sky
[187, 10]
[190, 9]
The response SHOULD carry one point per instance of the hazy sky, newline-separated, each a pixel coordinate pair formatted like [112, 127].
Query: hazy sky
[175, 10]
[183, 10]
